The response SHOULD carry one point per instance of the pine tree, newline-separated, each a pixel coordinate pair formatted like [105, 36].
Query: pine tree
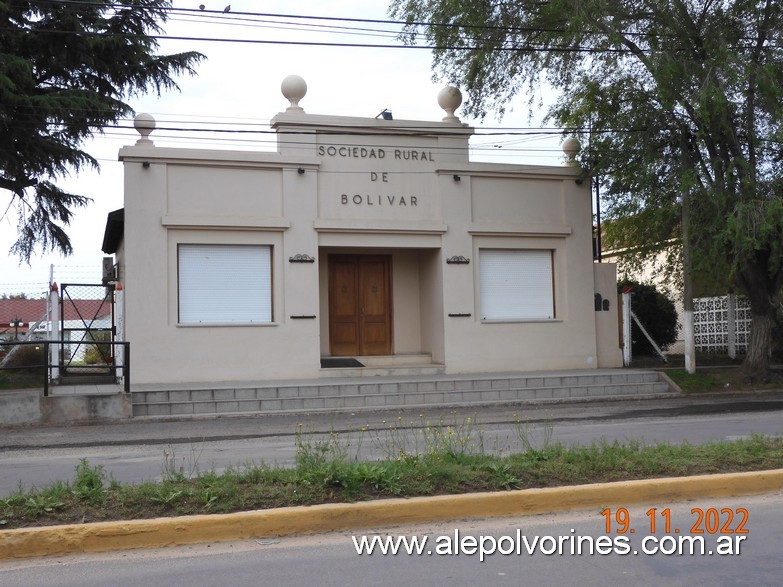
[66, 69]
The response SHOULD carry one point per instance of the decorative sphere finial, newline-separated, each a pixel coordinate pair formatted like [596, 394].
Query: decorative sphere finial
[571, 146]
[294, 89]
[450, 98]
[144, 124]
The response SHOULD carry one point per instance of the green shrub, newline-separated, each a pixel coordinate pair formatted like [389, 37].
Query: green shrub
[27, 358]
[656, 312]
[97, 353]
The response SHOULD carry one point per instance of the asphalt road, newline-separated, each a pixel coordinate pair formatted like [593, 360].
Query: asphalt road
[332, 560]
[144, 450]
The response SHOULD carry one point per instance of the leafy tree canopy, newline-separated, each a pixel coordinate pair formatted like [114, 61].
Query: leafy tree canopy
[680, 102]
[19, 296]
[66, 68]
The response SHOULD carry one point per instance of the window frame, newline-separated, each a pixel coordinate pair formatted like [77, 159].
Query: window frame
[541, 261]
[260, 314]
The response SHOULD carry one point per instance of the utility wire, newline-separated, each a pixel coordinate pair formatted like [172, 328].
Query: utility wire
[526, 48]
[224, 18]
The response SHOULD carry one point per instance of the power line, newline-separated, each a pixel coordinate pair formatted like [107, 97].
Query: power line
[230, 16]
[241, 18]
[302, 27]
[262, 126]
[528, 48]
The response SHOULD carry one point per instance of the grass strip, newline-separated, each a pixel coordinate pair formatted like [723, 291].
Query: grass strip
[325, 474]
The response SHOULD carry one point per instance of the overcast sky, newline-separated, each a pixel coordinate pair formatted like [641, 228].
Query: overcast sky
[238, 85]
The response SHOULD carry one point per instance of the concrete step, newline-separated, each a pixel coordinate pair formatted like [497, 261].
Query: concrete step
[394, 392]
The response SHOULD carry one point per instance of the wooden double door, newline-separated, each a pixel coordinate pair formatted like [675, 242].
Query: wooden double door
[360, 320]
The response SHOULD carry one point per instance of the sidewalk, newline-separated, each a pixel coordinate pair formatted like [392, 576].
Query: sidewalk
[151, 431]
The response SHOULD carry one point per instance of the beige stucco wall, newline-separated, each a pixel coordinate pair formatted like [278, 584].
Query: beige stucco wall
[607, 322]
[548, 213]
[175, 201]
[342, 185]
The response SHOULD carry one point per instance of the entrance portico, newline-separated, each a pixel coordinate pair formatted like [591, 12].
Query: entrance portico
[377, 302]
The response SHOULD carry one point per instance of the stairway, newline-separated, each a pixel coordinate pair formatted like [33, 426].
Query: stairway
[386, 388]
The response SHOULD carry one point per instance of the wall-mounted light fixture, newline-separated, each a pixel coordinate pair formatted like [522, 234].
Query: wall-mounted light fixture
[146, 164]
[300, 171]
[457, 177]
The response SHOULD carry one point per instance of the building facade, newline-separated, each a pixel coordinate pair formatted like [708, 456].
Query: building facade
[359, 239]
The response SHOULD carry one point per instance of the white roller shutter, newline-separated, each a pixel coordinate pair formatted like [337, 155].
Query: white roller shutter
[516, 284]
[225, 284]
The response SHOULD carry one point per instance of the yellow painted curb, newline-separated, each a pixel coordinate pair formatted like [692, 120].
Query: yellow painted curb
[162, 532]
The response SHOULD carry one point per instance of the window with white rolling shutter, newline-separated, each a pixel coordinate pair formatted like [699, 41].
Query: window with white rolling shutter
[516, 284]
[224, 284]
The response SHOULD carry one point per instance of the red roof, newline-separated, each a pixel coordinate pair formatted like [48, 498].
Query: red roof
[33, 310]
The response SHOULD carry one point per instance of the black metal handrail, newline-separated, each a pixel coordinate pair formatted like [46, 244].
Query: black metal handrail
[47, 365]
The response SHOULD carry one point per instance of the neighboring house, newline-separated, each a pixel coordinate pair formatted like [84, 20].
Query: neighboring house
[79, 314]
[359, 238]
[17, 316]
[711, 305]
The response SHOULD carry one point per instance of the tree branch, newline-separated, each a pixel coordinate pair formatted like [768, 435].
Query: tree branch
[17, 186]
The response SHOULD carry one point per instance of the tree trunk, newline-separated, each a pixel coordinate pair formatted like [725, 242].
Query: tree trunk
[756, 363]
[760, 279]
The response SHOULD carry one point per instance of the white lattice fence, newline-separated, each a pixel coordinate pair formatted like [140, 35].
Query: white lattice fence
[711, 324]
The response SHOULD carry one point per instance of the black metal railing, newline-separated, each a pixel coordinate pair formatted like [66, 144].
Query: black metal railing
[35, 365]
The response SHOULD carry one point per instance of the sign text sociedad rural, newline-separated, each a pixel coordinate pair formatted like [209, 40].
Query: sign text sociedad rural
[376, 176]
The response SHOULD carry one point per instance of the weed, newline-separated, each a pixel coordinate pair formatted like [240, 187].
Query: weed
[186, 467]
[326, 472]
[88, 482]
[323, 462]
[395, 441]
[452, 439]
[526, 437]
[170, 496]
[313, 452]
[39, 504]
[448, 438]
[22, 505]
[501, 475]
[385, 477]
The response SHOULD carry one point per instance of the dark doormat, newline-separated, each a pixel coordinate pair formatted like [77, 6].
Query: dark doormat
[337, 363]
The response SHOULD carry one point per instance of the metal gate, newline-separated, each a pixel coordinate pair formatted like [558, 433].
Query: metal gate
[87, 326]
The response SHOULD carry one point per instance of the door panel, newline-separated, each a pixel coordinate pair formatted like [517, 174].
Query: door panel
[374, 323]
[359, 305]
[343, 306]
